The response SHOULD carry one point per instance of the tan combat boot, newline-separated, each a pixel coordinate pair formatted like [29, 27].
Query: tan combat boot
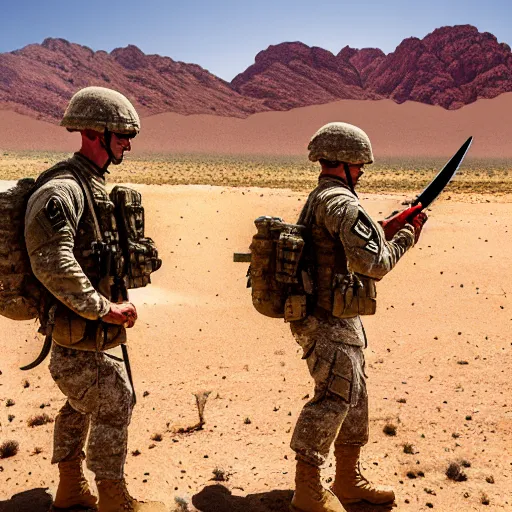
[73, 490]
[310, 495]
[114, 497]
[350, 485]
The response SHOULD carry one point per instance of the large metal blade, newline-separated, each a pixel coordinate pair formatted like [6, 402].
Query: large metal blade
[444, 176]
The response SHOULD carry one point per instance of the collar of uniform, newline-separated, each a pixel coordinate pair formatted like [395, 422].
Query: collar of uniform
[90, 165]
[325, 179]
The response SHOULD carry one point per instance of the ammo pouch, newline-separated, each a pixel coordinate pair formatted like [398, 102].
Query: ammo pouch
[73, 331]
[139, 252]
[354, 295]
[275, 271]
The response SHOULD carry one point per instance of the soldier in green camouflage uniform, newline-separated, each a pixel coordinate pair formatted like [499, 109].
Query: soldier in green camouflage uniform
[61, 234]
[345, 241]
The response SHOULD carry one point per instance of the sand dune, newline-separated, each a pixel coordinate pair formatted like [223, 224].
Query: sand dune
[407, 130]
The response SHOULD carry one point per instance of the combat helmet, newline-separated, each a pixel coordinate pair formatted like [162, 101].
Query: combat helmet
[102, 110]
[341, 142]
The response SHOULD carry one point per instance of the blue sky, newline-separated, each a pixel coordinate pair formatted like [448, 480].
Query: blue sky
[224, 37]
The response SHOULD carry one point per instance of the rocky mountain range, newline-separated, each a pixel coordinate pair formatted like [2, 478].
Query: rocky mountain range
[450, 67]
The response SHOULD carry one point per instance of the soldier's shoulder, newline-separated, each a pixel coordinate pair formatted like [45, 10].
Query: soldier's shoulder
[58, 180]
[59, 171]
[339, 195]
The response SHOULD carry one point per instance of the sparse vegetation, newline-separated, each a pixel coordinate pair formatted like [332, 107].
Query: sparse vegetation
[26, 384]
[408, 448]
[220, 475]
[157, 437]
[387, 175]
[37, 450]
[201, 398]
[389, 429]
[9, 449]
[181, 504]
[38, 420]
[10, 402]
[455, 473]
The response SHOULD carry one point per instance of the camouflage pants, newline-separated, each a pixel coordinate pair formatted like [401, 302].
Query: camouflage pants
[99, 399]
[338, 411]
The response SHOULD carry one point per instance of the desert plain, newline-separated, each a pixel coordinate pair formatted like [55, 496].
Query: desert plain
[438, 358]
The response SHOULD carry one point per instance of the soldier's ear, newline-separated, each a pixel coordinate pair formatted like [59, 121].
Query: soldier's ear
[91, 134]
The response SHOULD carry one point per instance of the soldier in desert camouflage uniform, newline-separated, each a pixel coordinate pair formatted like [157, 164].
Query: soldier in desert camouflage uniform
[75, 253]
[346, 243]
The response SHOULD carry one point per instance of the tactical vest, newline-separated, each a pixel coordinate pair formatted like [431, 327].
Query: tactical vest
[101, 260]
[101, 264]
[337, 290]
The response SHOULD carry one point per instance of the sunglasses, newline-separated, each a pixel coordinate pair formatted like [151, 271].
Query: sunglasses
[124, 136]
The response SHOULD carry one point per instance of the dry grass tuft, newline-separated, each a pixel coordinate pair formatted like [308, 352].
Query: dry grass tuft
[39, 419]
[455, 473]
[9, 449]
[181, 504]
[408, 448]
[220, 475]
[201, 398]
[389, 429]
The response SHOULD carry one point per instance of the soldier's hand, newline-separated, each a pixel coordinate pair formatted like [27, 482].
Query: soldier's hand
[418, 223]
[121, 314]
[398, 220]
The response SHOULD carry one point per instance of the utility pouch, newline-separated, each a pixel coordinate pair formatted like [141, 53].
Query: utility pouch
[73, 331]
[289, 251]
[140, 252]
[275, 271]
[69, 328]
[354, 295]
[295, 308]
[108, 336]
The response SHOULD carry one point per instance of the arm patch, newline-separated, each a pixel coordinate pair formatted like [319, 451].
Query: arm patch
[364, 229]
[54, 212]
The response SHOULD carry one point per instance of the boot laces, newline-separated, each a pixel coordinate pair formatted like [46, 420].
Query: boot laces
[361, 480]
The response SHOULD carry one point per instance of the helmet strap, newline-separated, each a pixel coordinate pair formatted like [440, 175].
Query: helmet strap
[107, 135]
[350, 183]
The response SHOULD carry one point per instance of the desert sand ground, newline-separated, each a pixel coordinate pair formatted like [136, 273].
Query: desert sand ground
[439, 362]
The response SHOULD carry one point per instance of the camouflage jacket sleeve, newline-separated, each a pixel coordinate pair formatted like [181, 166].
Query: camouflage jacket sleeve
[51, 222]
[366, 248]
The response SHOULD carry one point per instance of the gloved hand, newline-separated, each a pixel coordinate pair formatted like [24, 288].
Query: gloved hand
[121, 314]
[418, 223]
[392, 225]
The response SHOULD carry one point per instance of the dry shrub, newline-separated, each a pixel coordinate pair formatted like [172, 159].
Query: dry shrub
[455, 473]
[389, 429]
[9, 449]
[39, 419]
[220, 475]
[408, 448]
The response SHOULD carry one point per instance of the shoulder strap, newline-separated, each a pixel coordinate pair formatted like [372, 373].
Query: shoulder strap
[90, 202]
[67, 165]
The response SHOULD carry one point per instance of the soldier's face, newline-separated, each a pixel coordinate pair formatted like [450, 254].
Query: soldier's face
[119, 143]
[356, 171]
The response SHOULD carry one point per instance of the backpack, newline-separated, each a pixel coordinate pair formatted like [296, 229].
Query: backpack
[20, 291]
[277, 273]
